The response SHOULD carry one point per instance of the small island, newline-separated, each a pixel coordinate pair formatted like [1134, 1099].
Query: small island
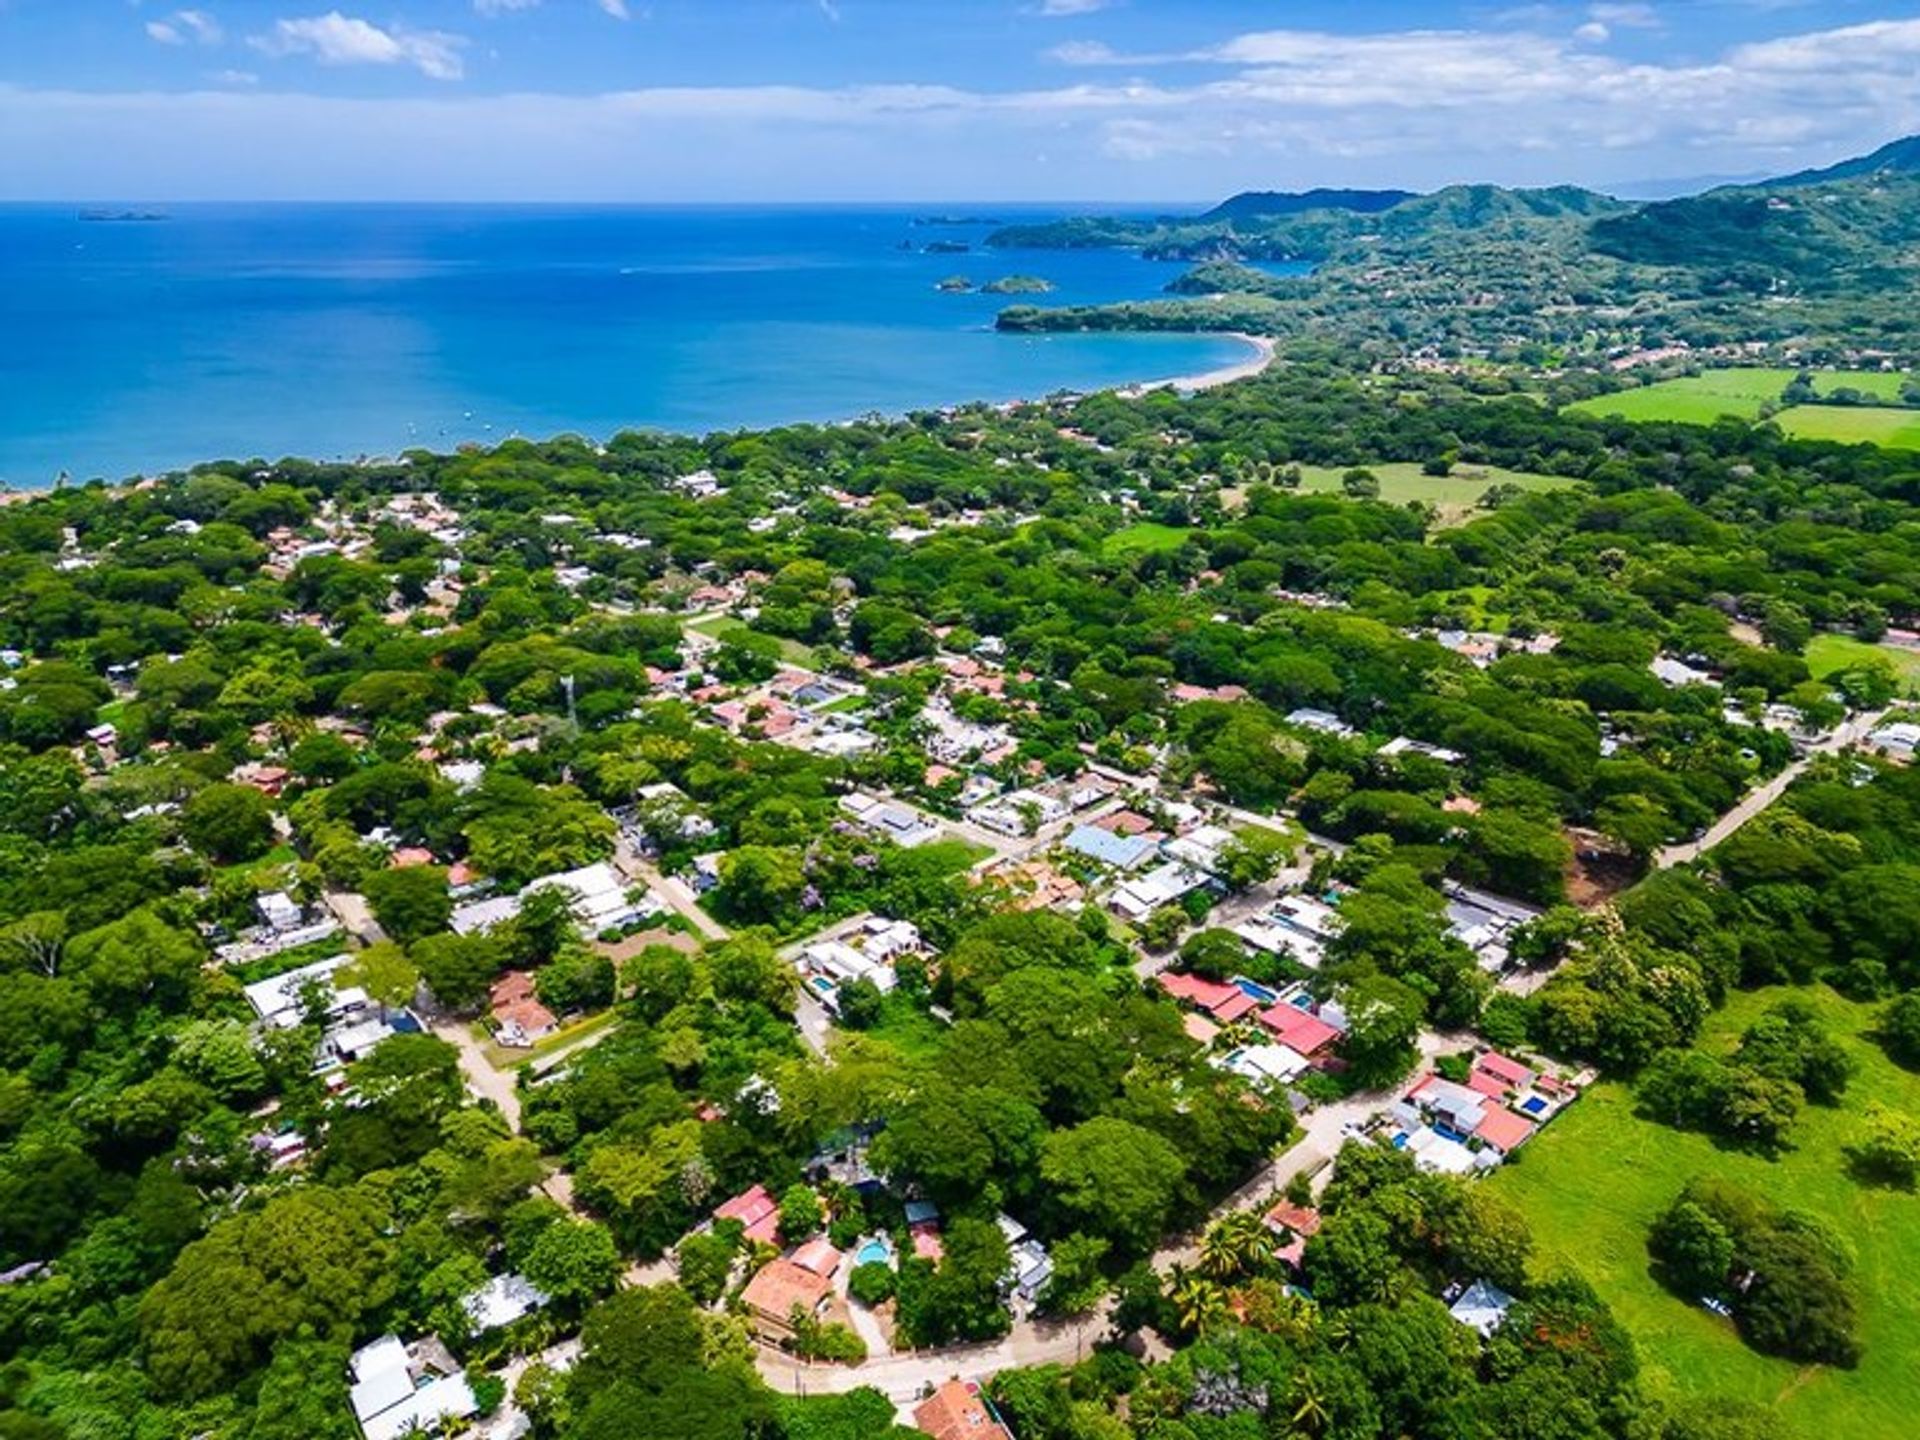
[947, 247]
[1018, 285]
[955, 285]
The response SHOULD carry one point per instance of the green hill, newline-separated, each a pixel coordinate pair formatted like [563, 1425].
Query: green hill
[1258, 204]
[1896, 157]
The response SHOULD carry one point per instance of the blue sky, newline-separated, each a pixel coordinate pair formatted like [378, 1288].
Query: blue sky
[914, 100]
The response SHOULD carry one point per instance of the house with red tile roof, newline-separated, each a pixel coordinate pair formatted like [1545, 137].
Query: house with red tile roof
[1499, 1068]
[780, 1287]
[1503, 1130]
[519, 1019]
[755, 1209]
[1300, 1031]
[958, 1411]
[1225, 1003]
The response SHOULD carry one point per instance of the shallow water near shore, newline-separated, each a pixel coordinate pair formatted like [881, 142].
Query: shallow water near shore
[344, 330]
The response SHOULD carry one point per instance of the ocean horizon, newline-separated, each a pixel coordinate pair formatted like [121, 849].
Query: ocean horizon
[337, 331]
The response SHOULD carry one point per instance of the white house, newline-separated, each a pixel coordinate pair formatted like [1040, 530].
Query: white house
[398, 1390]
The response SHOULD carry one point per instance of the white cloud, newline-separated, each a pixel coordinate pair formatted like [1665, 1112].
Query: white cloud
[501, 7]
[1593, 32]
[1508, 104]
[1626, 17]
[236, 79]
[336, 39]
[1053, 9]
[616, 8]
[185, 26]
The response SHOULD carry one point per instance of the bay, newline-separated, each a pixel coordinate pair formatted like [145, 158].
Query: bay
[337, 331]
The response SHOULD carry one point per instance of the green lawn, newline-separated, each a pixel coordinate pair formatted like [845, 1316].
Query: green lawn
[1594, 1180]
[1147, 535]
[1704, 398]
[1456, 495]
[1828, 653]
[721, 627]
[1852, 425]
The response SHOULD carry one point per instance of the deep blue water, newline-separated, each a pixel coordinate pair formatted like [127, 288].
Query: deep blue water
[348, 330]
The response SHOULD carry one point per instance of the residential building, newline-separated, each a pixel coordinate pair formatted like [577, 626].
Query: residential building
[958, 1411]
[902, 824]
[1482, 1307]
[1202, 847]
[1105, 847]
[398, 1389]
[1136, 899]
[519, 1019]
[598, 896]
[757, 1211]
[501, 1301]
[1324, 721]
[777, 1290]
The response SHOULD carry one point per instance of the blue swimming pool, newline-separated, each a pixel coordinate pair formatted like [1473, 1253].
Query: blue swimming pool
[1256, 991]
[1533, 1105]
[874, 1252]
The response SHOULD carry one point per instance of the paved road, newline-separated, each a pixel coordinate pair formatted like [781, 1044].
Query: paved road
[1758, 799]
[488, 1083]
[906, 1377]
[675, 892]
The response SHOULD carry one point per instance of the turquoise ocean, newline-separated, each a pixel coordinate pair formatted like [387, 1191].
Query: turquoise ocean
[337, 331]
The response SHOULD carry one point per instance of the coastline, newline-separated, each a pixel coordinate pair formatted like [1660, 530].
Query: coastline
[1263, 352]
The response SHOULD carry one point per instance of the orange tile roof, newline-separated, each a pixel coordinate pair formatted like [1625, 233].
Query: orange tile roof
[1503, 1130]
[780, 1286]
[956, 1411]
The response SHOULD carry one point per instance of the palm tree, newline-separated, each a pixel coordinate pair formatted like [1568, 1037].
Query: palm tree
[1200, 1303]
[1310, 1414]
[1253, 1241]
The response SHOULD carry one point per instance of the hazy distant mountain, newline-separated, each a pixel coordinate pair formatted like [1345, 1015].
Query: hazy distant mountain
[1897, 157]
[1261, 204]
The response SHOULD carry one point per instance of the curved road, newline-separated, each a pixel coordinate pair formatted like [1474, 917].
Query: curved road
[1758, 799]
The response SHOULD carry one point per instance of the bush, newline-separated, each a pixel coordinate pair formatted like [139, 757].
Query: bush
[488, 1392]
[872, 1283]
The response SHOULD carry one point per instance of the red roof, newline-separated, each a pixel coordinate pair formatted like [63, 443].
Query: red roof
[819, 1256]
[1300, 1219]
[1503, 1130]
[1226, 1003]
[1512, 1072]
[956, 1412]
[1296, 1029]
[1481, 1083]
[755, 1209]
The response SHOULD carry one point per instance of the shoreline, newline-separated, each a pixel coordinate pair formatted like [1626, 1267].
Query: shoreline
[1264, 349]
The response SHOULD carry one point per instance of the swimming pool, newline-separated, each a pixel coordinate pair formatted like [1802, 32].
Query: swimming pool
[874, 1252]
[1255, 991]
[1533, 1105]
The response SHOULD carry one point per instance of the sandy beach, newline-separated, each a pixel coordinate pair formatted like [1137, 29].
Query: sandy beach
[1263, 349]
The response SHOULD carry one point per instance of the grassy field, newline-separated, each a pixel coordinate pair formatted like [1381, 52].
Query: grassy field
[1455, 495]
[1593, 1182]
[1702, 399]
[1144, 537]
[1693, 399]
[719, 627]
[1828, 653]
[1893, 429]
